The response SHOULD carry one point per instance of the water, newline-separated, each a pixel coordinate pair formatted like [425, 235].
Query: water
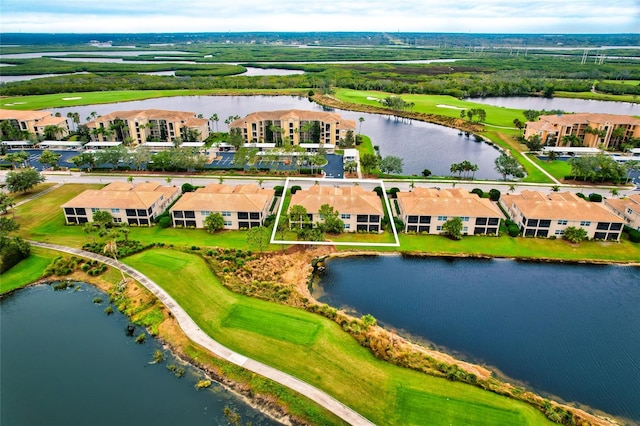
[421, 145]
[566, 330]
[64, 362]
[563, 104]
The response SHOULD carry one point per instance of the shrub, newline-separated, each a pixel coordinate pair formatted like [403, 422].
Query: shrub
[295, 188]
[478, 192]
[595, 198]
[279, 189]
[494, 195]
[187, 187]
[393, 191]
[141, 338]
[634, 235]
[513, 230]
[108, 310]
[164, 222]
[97, 300]
[378, 190]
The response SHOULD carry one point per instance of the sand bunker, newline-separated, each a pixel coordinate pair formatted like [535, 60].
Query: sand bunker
[448, 106]
[72, 99]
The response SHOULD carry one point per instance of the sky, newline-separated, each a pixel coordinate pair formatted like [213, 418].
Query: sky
[161, 16]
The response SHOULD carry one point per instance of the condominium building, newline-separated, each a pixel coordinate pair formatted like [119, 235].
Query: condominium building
[360, 210]
[540, 214]
[127, 203]
[589, 130]
[426, 210]
[241, 206]
[34, 122]
[299, 126]
[149, 125]
[627, 209]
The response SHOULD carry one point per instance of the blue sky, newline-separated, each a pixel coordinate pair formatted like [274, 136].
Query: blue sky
[486, 16]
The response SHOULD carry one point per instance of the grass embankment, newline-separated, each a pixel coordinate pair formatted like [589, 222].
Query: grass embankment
[27, 271]
[320, 352]
[21, 196]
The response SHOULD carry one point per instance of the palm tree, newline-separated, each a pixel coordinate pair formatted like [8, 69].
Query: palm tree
[361, 119]
[614, 192]
[214, 117]
[111, 247]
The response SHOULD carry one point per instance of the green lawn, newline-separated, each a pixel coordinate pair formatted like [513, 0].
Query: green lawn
[557, 168]
[435, 104]
[59, 100]
[27, 271]
[317, 351]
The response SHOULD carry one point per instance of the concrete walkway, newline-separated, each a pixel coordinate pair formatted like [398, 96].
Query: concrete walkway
[192, 331]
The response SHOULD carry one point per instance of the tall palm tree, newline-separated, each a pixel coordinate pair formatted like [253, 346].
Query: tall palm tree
[361, 119]
[214, 117]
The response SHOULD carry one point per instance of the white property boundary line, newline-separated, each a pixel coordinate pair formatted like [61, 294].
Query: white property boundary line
[329, 243]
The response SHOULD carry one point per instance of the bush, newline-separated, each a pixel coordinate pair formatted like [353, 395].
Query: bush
[595, 198]
[295, 188]
[581, 195]
[378, 190]
[494, 195]
[187, 187]
[513, 230]
[279, 189]
[164, 222]
[478, 192]
[634, 235]
[12, 253]
[393, 191]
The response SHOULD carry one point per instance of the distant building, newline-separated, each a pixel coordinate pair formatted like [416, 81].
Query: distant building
[592, 129]
[360, 210]
[34, 122]
[150, 125]
[133, 204]
[626, 208]
[545, 215]
[426, 210]
[301, 127]
[241, 206]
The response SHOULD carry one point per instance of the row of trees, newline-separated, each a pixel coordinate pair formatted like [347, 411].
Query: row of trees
[465, 167]
[601, 167]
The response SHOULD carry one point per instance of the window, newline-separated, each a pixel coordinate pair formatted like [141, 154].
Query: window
[115, 210]
[438, 228]
[494, 221]
[205, 213]
[345, 216]
[465, 218]
[465, 229]
[226, 214]
[586, 223]
[69, 210]
[347, 226]
[189, 215]
[603, 226]
[227, 223]
[117, 219]
[362, 218]
[374, 218]
[425, 219]
[142, 212]
[254, 216]
[243, 215]
[562, 222]
[545, 223]
[616, 226]
[94, 209]
[178, 214]
[559, 232]
[532, 222]
[481, 221]
[442, 218]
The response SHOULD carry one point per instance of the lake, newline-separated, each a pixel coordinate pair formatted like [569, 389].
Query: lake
[421, 145]
[564, 104]
[560, 329]
[65, 362]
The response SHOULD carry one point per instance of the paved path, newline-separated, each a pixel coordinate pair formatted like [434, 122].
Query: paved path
[192, 331]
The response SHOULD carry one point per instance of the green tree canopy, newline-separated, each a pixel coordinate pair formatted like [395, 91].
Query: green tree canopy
[368, 162]
[507, 165]
[214, 222]
[259, 236]
[23, 180]
[453, 228]
[575, 235]
[49, 158]
[391, 164]
[331, 221]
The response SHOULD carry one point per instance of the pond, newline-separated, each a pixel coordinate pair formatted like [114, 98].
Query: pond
[563, 104]
[420, 145]
[65, 362]
[561, 329]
